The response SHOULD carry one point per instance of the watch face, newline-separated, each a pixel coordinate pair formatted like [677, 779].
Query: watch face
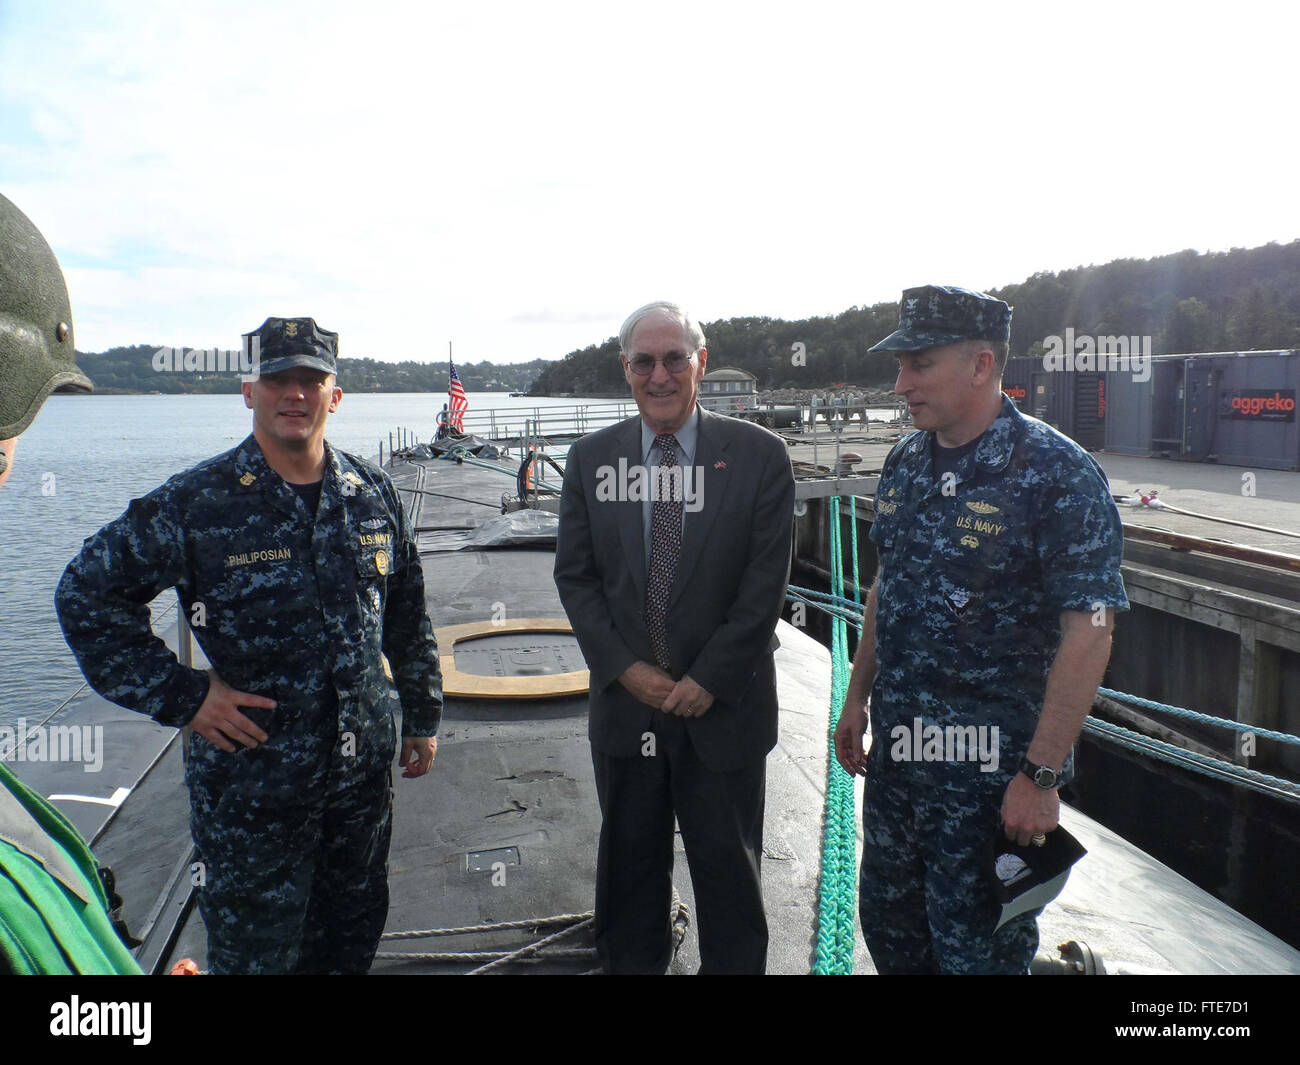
[1045, 777]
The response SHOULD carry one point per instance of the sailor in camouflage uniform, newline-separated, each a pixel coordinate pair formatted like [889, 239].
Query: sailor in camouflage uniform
[999, 572]
[297, 567]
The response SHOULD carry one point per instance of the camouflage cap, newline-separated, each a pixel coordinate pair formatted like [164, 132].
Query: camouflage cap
[284, 343]
[37, 354]
[934, 315]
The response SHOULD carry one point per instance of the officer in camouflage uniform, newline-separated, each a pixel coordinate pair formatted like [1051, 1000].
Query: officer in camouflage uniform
[986, 635]
[297, 567]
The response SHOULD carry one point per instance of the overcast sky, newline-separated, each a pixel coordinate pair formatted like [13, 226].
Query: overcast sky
[518, 177]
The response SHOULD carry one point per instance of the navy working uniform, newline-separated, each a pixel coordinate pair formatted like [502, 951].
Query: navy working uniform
[974, 572]
[294, 605]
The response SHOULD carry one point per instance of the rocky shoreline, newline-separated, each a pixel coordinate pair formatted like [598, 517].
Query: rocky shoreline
[851, 397]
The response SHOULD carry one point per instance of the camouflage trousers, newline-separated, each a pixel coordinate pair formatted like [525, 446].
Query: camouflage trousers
[924, 899]
[295, 878]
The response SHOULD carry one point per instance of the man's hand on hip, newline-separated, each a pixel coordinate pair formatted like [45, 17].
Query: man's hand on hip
[1028, 809]
[417, 755]
[220, 721]
[647, 682]
[687, 699]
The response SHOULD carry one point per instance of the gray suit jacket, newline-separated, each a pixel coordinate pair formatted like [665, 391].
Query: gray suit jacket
[727, 597]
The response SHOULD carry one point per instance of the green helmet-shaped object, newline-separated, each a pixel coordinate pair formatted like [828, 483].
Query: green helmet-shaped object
[36, 344]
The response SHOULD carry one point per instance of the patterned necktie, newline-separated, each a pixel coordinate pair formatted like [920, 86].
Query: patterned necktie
[665, 546]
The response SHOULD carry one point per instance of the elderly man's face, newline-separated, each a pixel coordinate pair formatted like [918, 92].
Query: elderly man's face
[665, 399]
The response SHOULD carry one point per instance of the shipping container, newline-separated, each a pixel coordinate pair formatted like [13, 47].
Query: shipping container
[1128, 412]
[1015, 381]
[1072, 401]
[1237, 408]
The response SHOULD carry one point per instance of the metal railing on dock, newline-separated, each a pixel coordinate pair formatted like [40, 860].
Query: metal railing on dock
[827, 427]
[554, 422]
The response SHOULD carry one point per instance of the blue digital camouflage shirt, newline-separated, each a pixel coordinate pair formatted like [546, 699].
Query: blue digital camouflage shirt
[973, 578]
[284, 606]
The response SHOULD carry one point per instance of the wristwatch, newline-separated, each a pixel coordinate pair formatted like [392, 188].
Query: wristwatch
[1044, 776]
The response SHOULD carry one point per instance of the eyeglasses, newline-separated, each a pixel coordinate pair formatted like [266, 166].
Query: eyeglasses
[676, 362]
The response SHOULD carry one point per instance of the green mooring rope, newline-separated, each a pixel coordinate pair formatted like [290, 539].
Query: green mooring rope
[839, 893]
[853, 545]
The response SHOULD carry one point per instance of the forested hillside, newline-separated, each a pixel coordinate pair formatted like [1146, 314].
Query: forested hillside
[1240, 300]
[139, 369]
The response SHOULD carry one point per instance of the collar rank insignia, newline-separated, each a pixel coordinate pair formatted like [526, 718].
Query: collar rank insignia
[352, 478]
[291, 329]
[247, 479]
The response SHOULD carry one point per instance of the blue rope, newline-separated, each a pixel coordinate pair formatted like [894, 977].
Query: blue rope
[1197, 763]
[1204, 719]
[853, 618]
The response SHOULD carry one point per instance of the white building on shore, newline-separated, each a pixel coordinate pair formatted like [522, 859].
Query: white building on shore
[728, 389]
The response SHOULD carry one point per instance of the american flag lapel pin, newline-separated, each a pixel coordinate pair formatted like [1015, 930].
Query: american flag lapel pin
[719, 465]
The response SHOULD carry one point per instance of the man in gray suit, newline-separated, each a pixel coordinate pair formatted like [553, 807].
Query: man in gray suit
[672, 563]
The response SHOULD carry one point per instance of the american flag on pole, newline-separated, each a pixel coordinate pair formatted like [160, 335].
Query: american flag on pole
[459, 402]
